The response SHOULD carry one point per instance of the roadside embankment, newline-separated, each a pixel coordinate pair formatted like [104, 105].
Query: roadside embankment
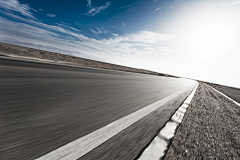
[209, 130]
[14, 51]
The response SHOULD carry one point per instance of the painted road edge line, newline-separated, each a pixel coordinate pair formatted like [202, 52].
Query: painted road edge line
[159, 145]
[224, 95]
[85, 144]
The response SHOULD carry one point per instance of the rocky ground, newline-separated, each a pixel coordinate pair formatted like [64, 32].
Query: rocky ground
[14, 50]
[210, 128]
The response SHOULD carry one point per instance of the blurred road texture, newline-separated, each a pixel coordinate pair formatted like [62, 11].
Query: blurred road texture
[44, 106]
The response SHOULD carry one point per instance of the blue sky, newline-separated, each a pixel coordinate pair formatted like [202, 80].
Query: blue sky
[195, 39]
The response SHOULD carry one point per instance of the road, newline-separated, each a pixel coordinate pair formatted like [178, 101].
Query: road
[45, 106]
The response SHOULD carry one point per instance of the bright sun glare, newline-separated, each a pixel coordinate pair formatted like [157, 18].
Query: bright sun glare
[209, 32]
[212, 37]
[207, 38]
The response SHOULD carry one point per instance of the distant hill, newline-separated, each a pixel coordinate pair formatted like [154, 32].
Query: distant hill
[10, 49]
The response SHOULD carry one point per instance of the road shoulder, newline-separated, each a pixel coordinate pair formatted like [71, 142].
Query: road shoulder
[210, 128]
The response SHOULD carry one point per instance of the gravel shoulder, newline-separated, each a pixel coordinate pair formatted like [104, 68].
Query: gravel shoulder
[231, 92]
[210, 128]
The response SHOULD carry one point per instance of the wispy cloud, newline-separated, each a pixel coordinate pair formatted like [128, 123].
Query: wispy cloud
[126, 6]
[89, 3]
[15, 6]
[143, 37]
[96, 32]
[95, 10]
[105, 49]
[124, 24]
[158, 9]
[51, 15]
[114, 34]
[235, 3]
[125, 49]
[67, 26]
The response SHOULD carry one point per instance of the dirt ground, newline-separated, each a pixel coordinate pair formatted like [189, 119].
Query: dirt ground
[9, 49]
[231, 92]
[210, 128]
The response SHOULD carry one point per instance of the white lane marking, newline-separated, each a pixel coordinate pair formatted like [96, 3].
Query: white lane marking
[155, 149]
[184, 106]
[181, 109]
[85, 144]
[224, 95]
[187, 101]
[158, 147]
[178, 117]
[168, 131]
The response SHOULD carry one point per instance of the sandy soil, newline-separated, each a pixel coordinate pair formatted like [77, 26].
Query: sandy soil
[210, 128]
[13, 50]
[231, 92]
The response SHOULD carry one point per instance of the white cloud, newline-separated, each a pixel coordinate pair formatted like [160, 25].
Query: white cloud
[110, 49]
[124, 24]
[144, 37]
[96, 32]
[158, 9]
[126, 6]
[99, 31]
[106, 31]
[140, 49]
[95, 10]
[67, 26]
[14, 5]
[53, 30]
[51, 15]
[114, 34]
[89, 3]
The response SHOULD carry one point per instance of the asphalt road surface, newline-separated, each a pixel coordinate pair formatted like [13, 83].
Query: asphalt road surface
[44, 106]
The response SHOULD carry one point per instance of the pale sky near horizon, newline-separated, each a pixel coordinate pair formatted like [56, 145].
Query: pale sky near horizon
[195, 39]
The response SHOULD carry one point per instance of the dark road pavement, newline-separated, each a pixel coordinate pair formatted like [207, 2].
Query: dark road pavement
[44, 106]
